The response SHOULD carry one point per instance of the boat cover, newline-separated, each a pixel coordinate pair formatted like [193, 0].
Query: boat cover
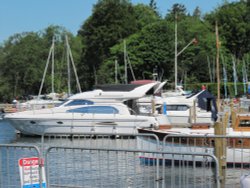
[207, 101]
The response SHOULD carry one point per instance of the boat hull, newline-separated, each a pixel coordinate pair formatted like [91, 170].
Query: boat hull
[81, 124]
[236, 154]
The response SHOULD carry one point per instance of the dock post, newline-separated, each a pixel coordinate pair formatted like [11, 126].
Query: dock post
[220, 147]
[195, 115]
[153, 105]
[233, 114]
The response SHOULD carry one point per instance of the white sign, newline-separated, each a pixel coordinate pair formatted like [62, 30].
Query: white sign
[29, 172]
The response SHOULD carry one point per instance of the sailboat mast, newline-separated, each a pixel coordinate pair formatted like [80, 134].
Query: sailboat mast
[74, 68]
[68, 66]
[175, 50]
[53, 67]
[225, 77]
[125, 63]
[46, 67]
[217, 65]
[116, 70]
[235, 77]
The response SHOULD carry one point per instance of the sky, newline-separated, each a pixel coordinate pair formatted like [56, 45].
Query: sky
[17, 16]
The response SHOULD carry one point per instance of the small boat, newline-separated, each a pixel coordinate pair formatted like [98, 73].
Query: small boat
[199, 138]
[46, 101]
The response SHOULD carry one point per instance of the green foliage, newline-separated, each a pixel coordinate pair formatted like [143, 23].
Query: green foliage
[111, 22]
[212, 87]
[178, 12]
[150, 44]
[233, 22]
[146, 50]
[23, 59]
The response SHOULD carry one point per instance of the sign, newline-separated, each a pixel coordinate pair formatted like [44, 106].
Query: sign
[29, 172]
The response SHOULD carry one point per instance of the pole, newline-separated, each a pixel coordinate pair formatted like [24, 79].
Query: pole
[221, 147]
[178, 53]
[74, 67]
[116, 70]
[125, 64]
[175, 58]
[45, 70]
[53, 67]
[217, 65]
[68, 65]
[235, 77]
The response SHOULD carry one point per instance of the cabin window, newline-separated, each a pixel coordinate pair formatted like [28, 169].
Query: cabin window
[244, 123]
[95, 110]
[79, 102]
[177, 107]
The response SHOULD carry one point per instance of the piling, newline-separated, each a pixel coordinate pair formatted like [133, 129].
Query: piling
[220, 147]
[194, 114]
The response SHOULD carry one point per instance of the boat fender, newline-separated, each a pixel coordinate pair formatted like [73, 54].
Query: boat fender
[245, 181]
[155, 126]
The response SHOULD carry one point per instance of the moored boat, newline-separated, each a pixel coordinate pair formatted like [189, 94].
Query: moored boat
[197, 107]
[200, 138]
[94, 111]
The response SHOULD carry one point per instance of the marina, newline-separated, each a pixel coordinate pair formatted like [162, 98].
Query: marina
[110, 146]
[82, 161]
[101, 160]
[147, 109]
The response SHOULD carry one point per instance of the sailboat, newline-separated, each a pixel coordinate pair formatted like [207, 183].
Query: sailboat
[52, 99]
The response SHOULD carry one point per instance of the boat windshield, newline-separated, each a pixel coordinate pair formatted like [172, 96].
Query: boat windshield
[177, 107]
[244, 123]
[95, 110]
[77, 102]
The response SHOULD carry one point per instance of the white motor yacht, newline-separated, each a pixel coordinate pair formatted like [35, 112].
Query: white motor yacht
[97, 118]
[95, 111]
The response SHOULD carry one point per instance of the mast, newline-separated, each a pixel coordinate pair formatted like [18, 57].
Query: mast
[235, 77]
[175, 52]
[53, 67]
[51, 51]
[125, 63]
[224, 75]
[217, 65]
[70, 57]
[68, 66]
[209, 70]
[116, 70]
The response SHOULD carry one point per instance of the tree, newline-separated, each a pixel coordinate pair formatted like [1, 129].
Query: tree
[146, 50]
[23, 59]
[233, 26]
[110, 22]
[197, 12]
[144, 15]
[153, 6]
[20, 62]
[178, 11]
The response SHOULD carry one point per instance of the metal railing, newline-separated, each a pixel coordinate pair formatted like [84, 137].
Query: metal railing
[95, 160]
[236, 159]
[10, 170]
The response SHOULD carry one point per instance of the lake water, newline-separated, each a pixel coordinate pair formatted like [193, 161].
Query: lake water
[91, 168]
[7, 133]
